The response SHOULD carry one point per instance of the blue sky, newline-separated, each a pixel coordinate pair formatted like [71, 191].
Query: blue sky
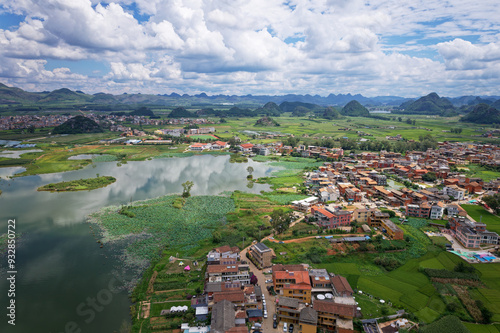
[391, 47]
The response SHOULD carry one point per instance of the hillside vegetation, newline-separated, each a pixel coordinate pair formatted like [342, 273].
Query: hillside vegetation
[78, 125]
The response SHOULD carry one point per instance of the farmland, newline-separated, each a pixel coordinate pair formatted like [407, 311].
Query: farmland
[145, 224]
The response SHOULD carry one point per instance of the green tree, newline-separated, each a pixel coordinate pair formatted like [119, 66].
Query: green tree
[250, 170]
[187, 188]
[429, 177]
[280, 220]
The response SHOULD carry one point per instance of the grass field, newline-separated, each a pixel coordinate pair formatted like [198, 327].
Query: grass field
[478, 213]
[478, 328]
[203, 137]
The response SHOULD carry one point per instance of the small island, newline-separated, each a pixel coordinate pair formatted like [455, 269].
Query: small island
[79, 185]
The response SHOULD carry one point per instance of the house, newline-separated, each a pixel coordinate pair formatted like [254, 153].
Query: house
[245, 147]
[223, 273]
[472, 234]
[329, 193]
[200, 146]
[361, 215]
[223, 319]
[423, 210]
[218, 145]
[330, 219]
[262, 254]
[341, 286]
[334, 316]
[288, 310]
[437, 211]
[223, 255]
[305, 204]
[308, 320]
[454, 191]
[320, 280]
[293, 284]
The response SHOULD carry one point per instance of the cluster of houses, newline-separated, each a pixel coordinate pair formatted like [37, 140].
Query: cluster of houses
[311, 299]
[177, 132]
[308, 298]
[25, 121]
[366, 179]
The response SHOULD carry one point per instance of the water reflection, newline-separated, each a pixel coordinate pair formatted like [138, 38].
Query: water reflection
[61, 263]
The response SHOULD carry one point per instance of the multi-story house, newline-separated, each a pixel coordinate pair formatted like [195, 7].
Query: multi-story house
[293, 284]
[472, 234]
[262, 254]
[224, 273]
[454, 191]
[330, 218]
[437, 211]
[334, 316]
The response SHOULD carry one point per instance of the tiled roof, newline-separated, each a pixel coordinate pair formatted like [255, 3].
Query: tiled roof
[334, 308]
[341, 285]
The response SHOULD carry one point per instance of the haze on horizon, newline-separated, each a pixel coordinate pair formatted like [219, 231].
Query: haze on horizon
[394, 47]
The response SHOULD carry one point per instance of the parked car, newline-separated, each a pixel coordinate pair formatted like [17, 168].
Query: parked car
[265, 313]
[275, 324]
[290, 329]
[285, 327]
[274, 317]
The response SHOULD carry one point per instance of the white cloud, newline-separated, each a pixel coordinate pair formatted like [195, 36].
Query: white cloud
[239, 46]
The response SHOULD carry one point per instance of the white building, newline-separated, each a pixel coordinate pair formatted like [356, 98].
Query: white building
[329, 193]
[437, 211]
[454, 191]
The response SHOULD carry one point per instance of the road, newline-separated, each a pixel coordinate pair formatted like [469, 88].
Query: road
[267, 323]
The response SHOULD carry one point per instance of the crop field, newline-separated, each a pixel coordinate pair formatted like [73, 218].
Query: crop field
[203, 137]
[379, 129]
[150, 231]
[445, 324]
[478, 213]
[478, 328]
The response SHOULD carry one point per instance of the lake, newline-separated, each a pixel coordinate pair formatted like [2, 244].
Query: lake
[64, 279]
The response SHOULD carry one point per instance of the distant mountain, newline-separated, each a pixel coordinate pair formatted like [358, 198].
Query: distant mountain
[355, 109]
[287, 103]
[331, 113]
[65, 95]
[12, 95]
[291, 106]
[496, 104]
[270, 109]
[144, 111]
[78, 125]
[471, 100]
[180, 112]
[431, 104]
[482, 114]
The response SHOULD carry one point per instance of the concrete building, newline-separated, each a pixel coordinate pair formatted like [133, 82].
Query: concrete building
[262, 254]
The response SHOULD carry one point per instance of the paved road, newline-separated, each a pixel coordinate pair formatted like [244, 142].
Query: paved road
[267, 324]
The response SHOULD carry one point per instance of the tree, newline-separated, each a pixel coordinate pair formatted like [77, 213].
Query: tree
[280, 220]
[250, 170]
[187, 188]
[493, 201]
[253, 279]
[429, 177]
[216, 237]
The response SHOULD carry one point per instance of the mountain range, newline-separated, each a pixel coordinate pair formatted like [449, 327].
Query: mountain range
[29, 101]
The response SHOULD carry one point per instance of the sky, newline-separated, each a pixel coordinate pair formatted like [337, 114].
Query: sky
[375, 48]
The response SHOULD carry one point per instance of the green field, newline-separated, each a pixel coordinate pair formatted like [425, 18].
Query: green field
[202, 137]
[478, 213]
[478, 328]
[79, 185]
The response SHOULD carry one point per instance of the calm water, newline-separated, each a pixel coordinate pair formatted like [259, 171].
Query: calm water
[64, 278]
